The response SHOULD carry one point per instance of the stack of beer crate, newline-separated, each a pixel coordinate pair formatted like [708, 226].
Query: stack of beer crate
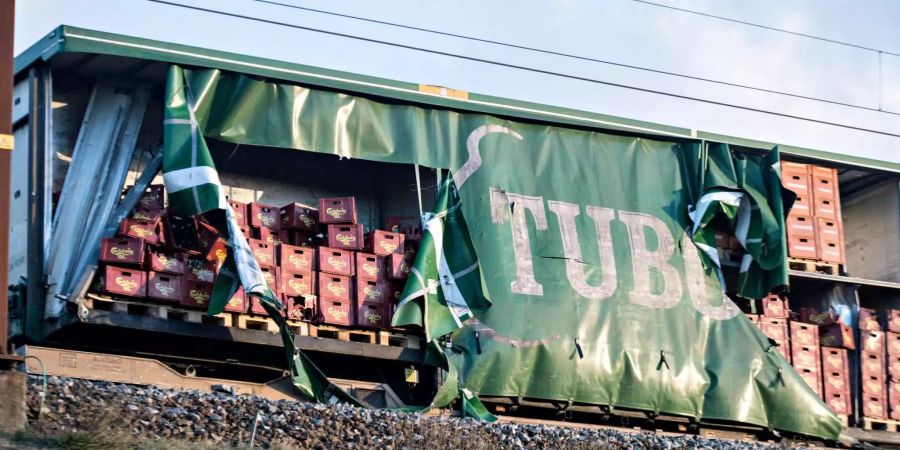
[318, 261]
[806, 356]
[324, 266]
[892, 324]
[814, 228]
[773, 322]
[164, 258]
[836, 340]
[873, 367]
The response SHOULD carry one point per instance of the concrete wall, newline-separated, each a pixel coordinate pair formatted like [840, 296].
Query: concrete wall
[872, 233]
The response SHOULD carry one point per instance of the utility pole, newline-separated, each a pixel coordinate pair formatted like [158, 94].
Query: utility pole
[7, 18]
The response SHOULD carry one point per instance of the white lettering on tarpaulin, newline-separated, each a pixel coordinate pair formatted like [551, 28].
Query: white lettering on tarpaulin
[643, 260]
[566, 214]
[517, 205]
[712, 303]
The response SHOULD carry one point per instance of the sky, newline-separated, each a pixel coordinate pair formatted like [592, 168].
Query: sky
[865, 73]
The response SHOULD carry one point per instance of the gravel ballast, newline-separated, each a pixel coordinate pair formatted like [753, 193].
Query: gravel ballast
[220, 417]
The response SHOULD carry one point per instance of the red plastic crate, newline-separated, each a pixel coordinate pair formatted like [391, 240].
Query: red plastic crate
[298, 217]
[838, 402]
[293, 259]
[370, 266]
[804, 334]
[872, 364]
[398, 266]
[802, 247]
[837, 335]
[868, 320]
[273, 237]
[153, 197]
[168, 263]
[336, 261]
[148, 215]
[836, 382]
[893, 400]
[240, 212]
[345, 236]
[891, 319]
[335, 312]
[796, 177]
[372, 315]
[125, 281]
[384, 243]
[123, 250]
[372, 291]
[264, 216]
[811, 376]
[297, 284]
[396, 291]
[803, 205]
[300, 308]
[337, 210]
[800, 226]
[775, 306]
[872, 341]
[835, 360]
[140, 229]
[335, 287]
[196, 294]
[893, 367]
[164, 287]
[256, 306]
[273, 279]
[893, 343]
[774, 328]
[238, 302]
[200, 270]
[806, 356]
[873, 384]
[874, 406]
[263, 252]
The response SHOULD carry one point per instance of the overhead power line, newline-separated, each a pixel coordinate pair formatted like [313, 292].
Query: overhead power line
[766, 27]
[574, 56]
[524, 68]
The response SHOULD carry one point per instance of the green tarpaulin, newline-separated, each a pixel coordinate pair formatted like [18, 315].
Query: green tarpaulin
[592, 249]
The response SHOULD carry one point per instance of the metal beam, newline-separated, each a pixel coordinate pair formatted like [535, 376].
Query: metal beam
[38, 196]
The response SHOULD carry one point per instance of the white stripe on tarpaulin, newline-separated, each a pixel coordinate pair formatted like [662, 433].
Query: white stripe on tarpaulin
[190, 178]
[454, 298]
[696, 213]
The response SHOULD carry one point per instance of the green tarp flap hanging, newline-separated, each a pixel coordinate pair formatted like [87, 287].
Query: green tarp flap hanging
[586, 245]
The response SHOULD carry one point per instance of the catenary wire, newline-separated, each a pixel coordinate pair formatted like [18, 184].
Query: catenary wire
[766, 27]
[525, 68]
[574, 56]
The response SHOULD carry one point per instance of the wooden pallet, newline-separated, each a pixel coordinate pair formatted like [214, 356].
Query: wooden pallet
[813, 266]
[344, 334]
[870, 424]
[395, 339]
[155, 310]
[248, 322]
[845, 420]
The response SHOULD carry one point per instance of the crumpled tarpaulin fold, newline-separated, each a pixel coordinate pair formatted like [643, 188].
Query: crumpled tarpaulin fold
[586, 248]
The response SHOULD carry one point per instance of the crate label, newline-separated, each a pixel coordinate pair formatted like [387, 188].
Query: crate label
[140, 231]
[265, 219]
[126, 284]
[336, 289]
[370, 269]
[372, 292]
[121, 253]
[345, 239]
[298, 261]
[262, 255]
[337, 213]
[388, 246]
[337, 263]
[308, 221]
[199, 296]
[298, 285]
[372, 317]
[337, 313]
[164, 289]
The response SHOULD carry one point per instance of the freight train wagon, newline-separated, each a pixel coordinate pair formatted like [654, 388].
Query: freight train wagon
[100, 263]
